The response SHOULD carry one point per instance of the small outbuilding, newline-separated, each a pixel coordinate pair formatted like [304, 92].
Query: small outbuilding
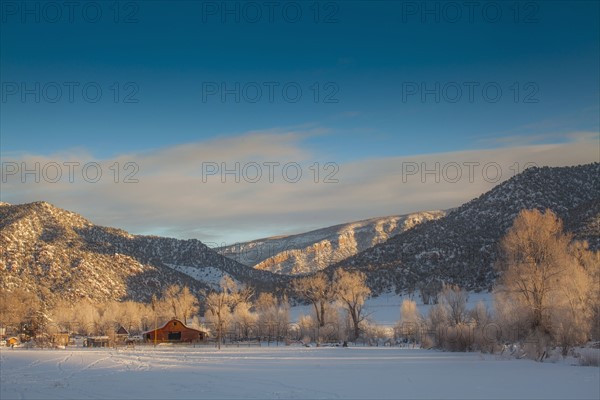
[60, 339]
[97, 341]
[121, 335]
[175, 331]
[122, 331]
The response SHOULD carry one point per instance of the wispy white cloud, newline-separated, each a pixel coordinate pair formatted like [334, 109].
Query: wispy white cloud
[172, 197]
[550, 137]
[548, 130]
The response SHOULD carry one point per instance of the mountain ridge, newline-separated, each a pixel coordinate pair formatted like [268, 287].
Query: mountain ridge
[461, 247]
[312, 251]
[52, 251]
[55, 252]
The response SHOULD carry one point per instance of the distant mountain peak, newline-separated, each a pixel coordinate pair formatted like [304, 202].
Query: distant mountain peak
[315, 250]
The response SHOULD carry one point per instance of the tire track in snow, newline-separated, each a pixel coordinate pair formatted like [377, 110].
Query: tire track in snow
[60, 364]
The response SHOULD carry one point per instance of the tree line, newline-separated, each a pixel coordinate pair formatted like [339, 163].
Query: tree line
[231, 311]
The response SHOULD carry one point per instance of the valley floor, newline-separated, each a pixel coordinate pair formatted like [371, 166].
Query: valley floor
[284, 372]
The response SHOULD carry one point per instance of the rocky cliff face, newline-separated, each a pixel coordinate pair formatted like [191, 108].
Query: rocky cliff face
[313, 251]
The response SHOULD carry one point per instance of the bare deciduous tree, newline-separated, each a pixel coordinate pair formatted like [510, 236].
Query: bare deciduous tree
[180, 302]
[542, 289]
[244, 319]
[273, 315]
[437, 320]
[590, 262]
[317, 290]
[218, 312]
[219, 305]
[455, 299]
[86, 317]
[351, 290]
[410, 321]
[21, 311]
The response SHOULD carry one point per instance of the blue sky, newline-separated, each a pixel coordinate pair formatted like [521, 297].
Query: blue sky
[379, 80]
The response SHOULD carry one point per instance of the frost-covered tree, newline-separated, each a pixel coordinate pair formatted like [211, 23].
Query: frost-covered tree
[317, 290]
[572, 317]
[131, 315]
[351, 290]
[307, 326]
[106, 324]
[218, 313]
[266, 306]
[437, 322]
[543, 288]
[273, 315]
[282, 318]
[86, 317]
[590, 262]
[60, 317]
[410, 323]
[21, 312]
[220, 305]
[480, 315]
[244, 319]
[485, 331]
[455, 299]
[180, 302]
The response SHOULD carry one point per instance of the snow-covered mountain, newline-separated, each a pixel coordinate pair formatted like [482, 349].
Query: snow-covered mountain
[54, 252]
[461, 247]
[57, 253]
[315, 250]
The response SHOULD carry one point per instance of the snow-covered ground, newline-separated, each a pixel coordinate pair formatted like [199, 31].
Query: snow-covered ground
[284, 372]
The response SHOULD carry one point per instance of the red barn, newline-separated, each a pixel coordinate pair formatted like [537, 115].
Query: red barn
[174, 331]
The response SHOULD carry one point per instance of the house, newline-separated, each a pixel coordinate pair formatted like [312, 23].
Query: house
[175, 331]
[121, 335]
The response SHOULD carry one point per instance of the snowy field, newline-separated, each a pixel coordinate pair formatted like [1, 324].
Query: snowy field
[284, 372]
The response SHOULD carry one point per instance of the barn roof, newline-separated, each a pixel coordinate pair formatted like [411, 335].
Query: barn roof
[171, 320]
